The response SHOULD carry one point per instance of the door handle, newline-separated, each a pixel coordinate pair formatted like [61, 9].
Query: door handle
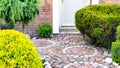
[62, 0]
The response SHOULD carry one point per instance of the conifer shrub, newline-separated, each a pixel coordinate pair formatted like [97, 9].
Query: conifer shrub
[45, 30]
[22, 11]
[99, 23]
[17, 51]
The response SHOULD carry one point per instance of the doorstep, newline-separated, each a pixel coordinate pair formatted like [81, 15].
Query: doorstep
[69, 30]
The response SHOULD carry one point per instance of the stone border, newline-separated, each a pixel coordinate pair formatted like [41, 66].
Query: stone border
[65, 38]
[96, 52]
[92, 63]
[53, 44]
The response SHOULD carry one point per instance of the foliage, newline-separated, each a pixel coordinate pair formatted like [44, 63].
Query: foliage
[22, 11]
[118, 33]
[115, 50]
[17, 51]
[99, 22]
[7, 26]
[45, 30]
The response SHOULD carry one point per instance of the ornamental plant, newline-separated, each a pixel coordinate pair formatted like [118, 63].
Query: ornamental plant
[115, 50]
[22, 11]
[17, 51]
[99, 23]
[118, 33]
[45, 30]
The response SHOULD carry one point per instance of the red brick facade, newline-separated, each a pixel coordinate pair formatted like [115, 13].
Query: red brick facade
[110, 1]
[45, 12]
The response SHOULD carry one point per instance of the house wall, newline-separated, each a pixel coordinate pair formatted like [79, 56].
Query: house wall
[110, 1]
[46, 16]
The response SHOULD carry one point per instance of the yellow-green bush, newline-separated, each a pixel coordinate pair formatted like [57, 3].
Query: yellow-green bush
[99, 22]
[17, 51]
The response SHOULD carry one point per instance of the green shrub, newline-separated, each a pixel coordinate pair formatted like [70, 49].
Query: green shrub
[17, 51]
[22, 11]
[45, 30]
[118, 33]
[7, 26]
[99, 22]
[115, 50]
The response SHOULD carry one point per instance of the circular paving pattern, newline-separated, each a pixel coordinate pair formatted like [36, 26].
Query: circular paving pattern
[84, 65]
[80, 51]
[43, 43]
[70, 51]
[73, 39]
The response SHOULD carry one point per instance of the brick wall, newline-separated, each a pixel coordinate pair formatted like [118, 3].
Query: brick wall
[45, 15]
[45, 12]
[110, 1]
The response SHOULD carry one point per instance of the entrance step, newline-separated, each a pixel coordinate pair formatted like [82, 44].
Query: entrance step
[69, 30]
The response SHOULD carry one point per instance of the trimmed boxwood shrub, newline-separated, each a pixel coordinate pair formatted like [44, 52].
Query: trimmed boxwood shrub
[17, 51]
[115, 50]
[99, 22]
[45, 30]
[118, 33]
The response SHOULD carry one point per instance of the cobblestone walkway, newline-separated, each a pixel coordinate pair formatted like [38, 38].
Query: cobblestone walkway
[70, 51]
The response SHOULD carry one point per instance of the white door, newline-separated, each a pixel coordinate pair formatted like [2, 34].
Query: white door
[63, 12]
[68, 9]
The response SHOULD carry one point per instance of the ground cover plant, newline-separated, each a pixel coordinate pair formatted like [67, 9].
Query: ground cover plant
[99, 23]
[17, 51]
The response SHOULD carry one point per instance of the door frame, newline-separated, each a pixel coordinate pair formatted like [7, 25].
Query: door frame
[56, 14]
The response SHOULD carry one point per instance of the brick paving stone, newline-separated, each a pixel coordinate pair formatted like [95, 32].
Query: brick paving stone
[70, 51]
[85, 59]
[92, 59]
[98, 60]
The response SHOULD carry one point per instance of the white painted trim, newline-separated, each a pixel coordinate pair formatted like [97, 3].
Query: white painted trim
[95, 2]
[67, 25]
[55, 17]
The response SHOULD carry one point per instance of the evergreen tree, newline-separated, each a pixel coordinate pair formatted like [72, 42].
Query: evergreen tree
[22, 11]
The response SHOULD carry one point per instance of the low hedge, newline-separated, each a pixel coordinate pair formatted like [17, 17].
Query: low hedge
[17, 51]
[99, 22]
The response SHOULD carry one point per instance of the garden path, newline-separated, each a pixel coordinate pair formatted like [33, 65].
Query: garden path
[71, 51]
